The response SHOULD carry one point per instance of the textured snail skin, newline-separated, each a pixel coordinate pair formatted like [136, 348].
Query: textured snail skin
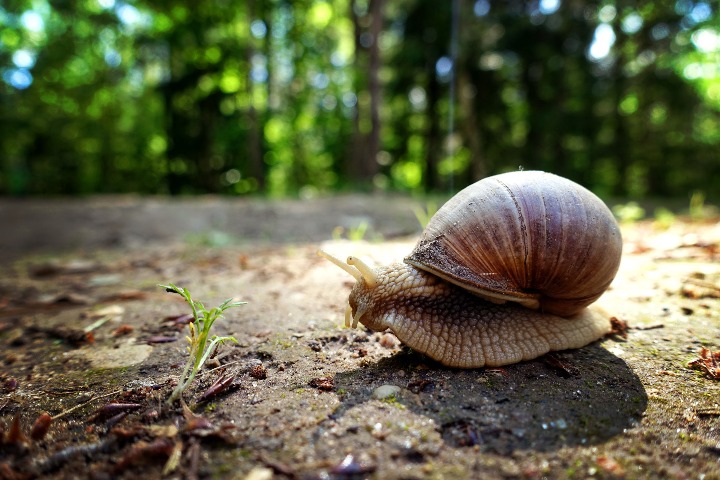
[459, 329]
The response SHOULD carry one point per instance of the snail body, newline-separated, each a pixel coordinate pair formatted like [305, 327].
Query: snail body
[502, 273]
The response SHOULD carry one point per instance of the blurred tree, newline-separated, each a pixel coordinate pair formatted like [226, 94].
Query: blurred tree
[367, 25]
[581, 88]
[281, 97]
[74, 116]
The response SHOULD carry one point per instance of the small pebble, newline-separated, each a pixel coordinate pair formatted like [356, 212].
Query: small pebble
[385, 391]
[349, 467]
[388, 340]
[212, 363]
[259, 473]
[258, 372]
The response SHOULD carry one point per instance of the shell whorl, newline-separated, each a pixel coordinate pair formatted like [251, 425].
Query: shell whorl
[530, 237]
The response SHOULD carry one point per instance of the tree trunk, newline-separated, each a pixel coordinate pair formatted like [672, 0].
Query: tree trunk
[256, 145]
[434, 137]
[366, 142]
[471, 130]
[371, 165]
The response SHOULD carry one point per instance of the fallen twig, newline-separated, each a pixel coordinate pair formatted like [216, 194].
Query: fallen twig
[57, 459]
[650, 327]
[76, 407]
[703, 283]
[708, 412]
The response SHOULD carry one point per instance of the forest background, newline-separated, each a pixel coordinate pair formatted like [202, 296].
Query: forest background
[305, 97]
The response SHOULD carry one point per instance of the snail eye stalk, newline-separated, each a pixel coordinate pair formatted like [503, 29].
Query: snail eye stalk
[365, 271]
[355, 273]
[361, 271]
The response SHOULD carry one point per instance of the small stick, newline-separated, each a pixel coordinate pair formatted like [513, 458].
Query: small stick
[702, 283]
[62, 414]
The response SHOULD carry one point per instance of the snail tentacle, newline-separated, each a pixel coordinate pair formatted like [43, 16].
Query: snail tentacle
[367, 273]
[348, 316]
[354, 272]
[357, 319]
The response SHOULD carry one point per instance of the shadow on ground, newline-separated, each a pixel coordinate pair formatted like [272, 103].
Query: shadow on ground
[529, 406]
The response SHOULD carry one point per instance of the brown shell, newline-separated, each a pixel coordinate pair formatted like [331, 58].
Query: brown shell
[530, 237]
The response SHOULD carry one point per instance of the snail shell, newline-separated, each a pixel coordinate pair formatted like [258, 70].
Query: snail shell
[540, 242]
[529, 237]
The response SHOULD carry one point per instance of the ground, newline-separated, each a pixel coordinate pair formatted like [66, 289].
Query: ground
[88, 338]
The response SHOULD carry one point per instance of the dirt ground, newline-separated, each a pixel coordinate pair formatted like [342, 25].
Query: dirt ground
[88, 338]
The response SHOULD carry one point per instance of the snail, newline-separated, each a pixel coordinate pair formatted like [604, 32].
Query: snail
[502, 273]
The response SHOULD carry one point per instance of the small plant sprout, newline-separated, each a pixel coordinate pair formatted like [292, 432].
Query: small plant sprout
[357, 233]
[354, 234]
[697, 205]
[628, 213]
[424, 215]
[200, 349]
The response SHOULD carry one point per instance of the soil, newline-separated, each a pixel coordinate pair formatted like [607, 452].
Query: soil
[88, 338]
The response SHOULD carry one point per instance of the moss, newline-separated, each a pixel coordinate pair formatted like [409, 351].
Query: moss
[392, 400]
[284, 344]
[448, 471]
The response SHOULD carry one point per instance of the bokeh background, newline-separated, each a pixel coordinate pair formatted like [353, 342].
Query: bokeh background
[305, 97]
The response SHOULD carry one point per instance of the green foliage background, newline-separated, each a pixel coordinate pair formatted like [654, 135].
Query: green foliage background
[296, 98]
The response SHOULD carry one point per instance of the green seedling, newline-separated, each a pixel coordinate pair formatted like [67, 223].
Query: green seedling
[697, 205]
[664, 218]
[199, 349]
[357, 233]
[424, 215]
[628, 213]
[354, 234]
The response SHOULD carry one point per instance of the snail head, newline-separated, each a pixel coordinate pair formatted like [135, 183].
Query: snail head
[366, 280]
